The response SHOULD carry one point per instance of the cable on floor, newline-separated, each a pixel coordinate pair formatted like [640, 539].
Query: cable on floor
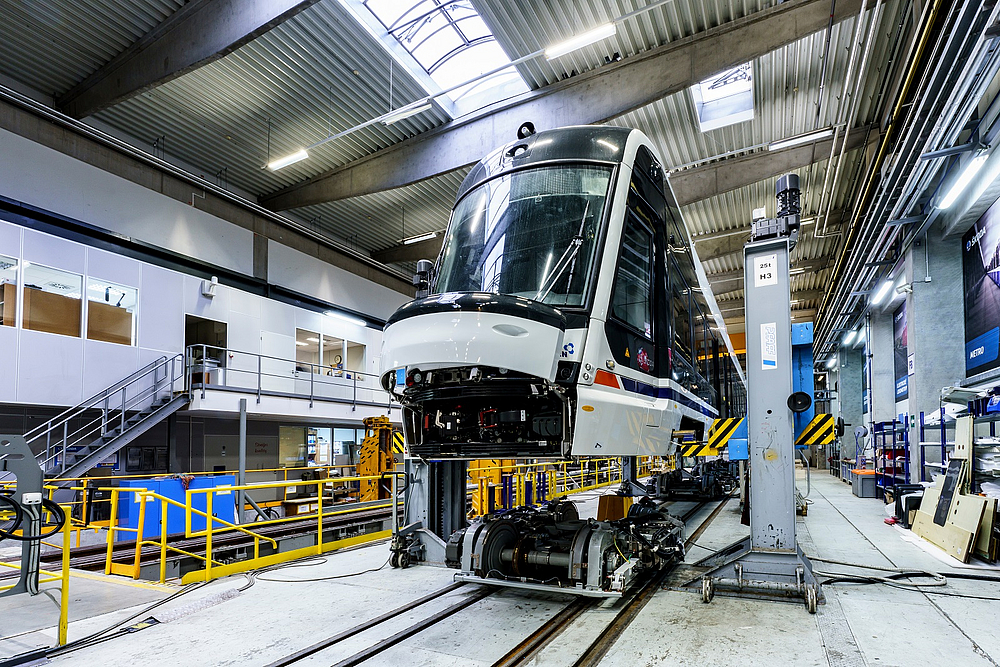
[98, 637]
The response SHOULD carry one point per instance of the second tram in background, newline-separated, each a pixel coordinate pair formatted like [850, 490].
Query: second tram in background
[567, 316]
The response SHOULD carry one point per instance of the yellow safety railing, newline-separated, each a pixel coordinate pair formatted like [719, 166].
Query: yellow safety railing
[215, 526]
[561, 478]
[62, 576]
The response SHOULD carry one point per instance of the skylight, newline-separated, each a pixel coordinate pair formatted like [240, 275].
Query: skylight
[725, 98]
[452, 44]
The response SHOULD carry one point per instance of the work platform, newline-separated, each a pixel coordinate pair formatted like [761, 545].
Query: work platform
[858, 625]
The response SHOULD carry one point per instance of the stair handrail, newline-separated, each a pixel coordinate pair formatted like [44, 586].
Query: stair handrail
[101, 395]
[100, 399]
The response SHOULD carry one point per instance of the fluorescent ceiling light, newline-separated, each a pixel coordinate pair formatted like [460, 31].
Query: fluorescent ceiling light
[301, 344]
[801, 139]
[297, 156]
[346, 318]
[963, 180]
[883, 290]
[579, 41]
[849, 336]
[861, 336]
[832, 362]
[405, 112]
[418, 239]
[313, 340]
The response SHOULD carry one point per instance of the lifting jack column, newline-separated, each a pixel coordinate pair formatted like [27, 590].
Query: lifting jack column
[769, 563]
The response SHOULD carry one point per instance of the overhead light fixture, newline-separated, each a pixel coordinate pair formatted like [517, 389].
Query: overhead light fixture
[849, 336]
[301, 344]
[347, 318]
[801, 139]
[883, 290]
[313, 340]
[297, 156]
[418, 239]
[832, 362]
[963, 181]
[579, 41]
[407, 111]
[861, 336]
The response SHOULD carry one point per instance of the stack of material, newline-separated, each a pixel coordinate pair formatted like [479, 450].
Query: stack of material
[960, 524]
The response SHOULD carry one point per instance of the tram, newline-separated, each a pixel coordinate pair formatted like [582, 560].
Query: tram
[567, 314]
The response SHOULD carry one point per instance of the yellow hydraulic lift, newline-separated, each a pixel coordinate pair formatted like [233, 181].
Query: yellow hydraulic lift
[376, 457]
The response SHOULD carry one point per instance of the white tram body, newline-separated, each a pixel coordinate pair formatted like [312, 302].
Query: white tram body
[567, 313]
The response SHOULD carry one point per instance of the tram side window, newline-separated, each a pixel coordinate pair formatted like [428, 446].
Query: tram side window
[680, 299]
[632, 302]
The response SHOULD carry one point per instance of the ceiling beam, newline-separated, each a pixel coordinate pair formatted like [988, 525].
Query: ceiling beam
[703, 182]
[737, 303]
[732, 276]
[708, 247]
[804, 313]
[196, 34]
[410, 252]
[592, 97]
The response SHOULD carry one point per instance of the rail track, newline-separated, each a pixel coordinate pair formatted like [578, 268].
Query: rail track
[526, 650]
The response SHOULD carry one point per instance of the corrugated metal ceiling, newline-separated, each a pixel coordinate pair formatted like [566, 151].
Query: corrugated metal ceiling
[319, 73]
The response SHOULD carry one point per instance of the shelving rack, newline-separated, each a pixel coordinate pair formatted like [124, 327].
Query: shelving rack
[980, 448]
[892, 455]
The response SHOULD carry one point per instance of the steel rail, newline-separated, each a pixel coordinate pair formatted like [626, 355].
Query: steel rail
[357, 629]
[524, 652]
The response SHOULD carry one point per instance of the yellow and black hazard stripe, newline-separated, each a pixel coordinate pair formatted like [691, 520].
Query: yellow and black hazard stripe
[718, 437]
[398, 444]
[820, 431]
[721, 431]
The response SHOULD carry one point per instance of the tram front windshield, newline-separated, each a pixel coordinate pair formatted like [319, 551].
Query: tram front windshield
[530, 233]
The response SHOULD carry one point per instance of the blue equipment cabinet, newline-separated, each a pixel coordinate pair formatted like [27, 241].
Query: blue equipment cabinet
[223, 504]
[802, 372]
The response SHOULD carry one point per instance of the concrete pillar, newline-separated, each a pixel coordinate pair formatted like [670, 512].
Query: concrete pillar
[936, 329]
[881, 381]
[849, 400]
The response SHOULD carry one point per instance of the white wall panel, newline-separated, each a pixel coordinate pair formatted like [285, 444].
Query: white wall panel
[215, 308]
[106, 363]
[8, 364]
[161, 307]
[245, 303]
[50, 369]
[97, 197]
[53, 251]
[10, 239]
[276, 316]
[300, 272]
[113, 268]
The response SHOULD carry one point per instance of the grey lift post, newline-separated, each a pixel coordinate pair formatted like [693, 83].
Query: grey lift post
[16, 458]
[769, 562]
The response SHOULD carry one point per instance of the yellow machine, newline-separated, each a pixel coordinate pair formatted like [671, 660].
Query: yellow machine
[485, 475]
[375, 458]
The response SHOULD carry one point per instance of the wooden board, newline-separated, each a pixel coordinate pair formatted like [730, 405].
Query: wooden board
[958, 534]
[108, 323]
[54, 313]
[985, 546]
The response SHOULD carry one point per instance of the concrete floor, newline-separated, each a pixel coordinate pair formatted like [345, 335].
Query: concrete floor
[859, 625]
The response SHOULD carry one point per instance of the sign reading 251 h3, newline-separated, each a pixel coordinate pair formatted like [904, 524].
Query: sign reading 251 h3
[765, 272]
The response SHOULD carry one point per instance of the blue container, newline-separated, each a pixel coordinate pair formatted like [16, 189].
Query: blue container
[223, 504]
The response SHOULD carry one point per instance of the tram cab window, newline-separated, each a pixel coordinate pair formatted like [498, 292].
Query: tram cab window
[632, 297]
[530, 233]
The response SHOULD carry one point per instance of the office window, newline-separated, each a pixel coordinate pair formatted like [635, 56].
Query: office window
[307, 351]
[52, 300]
[333, 356]
[111, 312]
[8, 291]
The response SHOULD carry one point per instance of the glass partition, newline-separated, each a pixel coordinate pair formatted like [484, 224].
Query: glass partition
[8, 291]
[111, 312]
[52, 300]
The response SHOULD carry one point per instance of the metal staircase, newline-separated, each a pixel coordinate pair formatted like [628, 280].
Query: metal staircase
[74, 442]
